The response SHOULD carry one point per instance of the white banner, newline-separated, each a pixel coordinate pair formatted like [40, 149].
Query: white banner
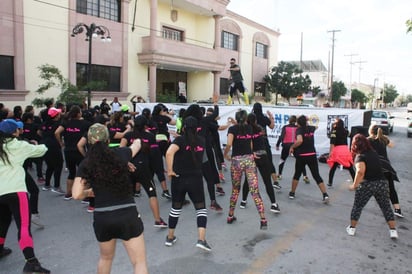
[322, 118]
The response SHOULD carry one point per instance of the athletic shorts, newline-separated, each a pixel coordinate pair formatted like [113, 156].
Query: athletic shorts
[124, 223]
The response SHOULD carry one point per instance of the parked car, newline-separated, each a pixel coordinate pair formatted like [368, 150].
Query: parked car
[409, 107]
[409, 128]
[384, 120]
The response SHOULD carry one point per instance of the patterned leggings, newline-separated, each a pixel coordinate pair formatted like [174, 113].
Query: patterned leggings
[380, 190]
[240, 164]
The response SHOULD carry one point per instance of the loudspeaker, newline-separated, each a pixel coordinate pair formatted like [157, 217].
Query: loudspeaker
[367, 116]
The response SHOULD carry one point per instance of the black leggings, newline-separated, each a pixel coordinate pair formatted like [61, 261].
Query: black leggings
[210, 180]
[17, 205]
[392, 191]
[284, 155]
[269, 154]
[54, 162]
[144, 175]
[312, 162]
[33, 189]
[73, 159]
[263, 165]
[156, 160]
[333, 169]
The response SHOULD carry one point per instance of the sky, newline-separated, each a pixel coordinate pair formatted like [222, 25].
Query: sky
[371, 34]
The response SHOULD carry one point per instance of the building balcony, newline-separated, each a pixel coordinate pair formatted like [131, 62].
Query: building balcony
[201, 7]
[178, 55]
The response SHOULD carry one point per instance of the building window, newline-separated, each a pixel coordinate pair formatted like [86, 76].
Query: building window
[224, 86]
[229, 40]
[172, 34]
[6, 72]
[261, 51]
[108, 76]
[108, 9]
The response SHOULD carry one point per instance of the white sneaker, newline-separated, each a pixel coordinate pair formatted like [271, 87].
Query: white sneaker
[35, 219]
[393, 233]
[351, 230]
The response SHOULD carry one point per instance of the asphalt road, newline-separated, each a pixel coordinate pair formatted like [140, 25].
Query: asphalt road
[306, 237]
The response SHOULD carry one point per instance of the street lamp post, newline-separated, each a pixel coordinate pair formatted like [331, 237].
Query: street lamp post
[92, 31]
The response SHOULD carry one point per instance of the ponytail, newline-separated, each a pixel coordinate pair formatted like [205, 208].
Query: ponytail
[3, 141]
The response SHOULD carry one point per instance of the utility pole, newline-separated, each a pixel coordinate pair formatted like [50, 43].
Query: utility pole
[331, 68]
[301, 51]
[350, 70]
[360, 62]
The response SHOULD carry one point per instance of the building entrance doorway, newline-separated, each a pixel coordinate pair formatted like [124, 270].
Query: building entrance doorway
[170, 84]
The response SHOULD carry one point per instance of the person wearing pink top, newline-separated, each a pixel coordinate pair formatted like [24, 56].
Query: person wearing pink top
[14, 200]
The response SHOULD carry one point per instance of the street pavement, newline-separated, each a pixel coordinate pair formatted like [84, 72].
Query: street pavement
[306, 237]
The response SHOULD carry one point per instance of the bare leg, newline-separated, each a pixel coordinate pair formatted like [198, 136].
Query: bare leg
[322, 187]
[353, 223]
[107, 251]
[392, 224]
[201, 232]
[69, 186]
[171, 233]
[163, 185]
[136, 250]
[154, 205]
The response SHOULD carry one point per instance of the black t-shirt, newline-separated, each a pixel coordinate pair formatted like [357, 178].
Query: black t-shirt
[263, 121]
[307, 147]
[241, 141]
[74, 130]
[148, 145]
[113, 129]
[152, 127]
[373, 165]
[339, 137]
[236, 74]
[47, 134]
[104, 197]
[380, 147]
[259, 139]
[183, 163]
[30, 132]
[162, 121]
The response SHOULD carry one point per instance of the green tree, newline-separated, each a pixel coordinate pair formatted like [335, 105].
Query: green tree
[409, 98]
[389, 93]
[358, 96]
[286, 79]
[53, 78]
[338, 90]
[408, 26]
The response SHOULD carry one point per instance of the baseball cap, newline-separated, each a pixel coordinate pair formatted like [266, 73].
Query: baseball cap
[53, 112]
[97, 133]
[20, 124]
[124, 108]
[8, 126]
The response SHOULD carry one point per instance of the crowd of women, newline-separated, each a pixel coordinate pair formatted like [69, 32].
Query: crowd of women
[110, 157]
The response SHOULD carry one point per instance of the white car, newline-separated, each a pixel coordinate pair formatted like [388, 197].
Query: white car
[409, 128]
[383, 119]
[409, 107]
